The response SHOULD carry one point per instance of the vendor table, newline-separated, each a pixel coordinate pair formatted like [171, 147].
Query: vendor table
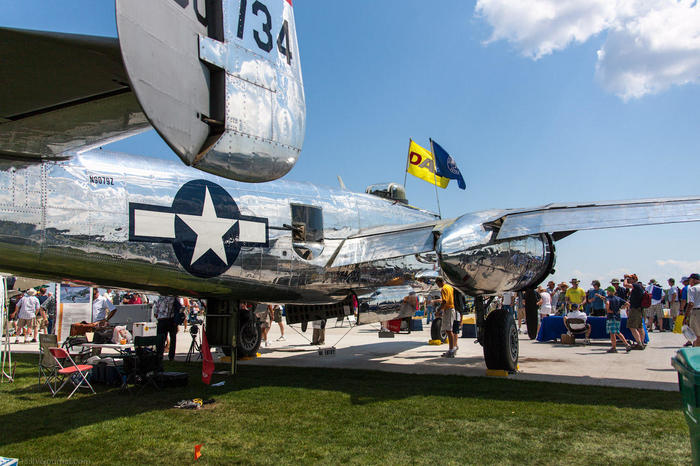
[552, 327]
[122, 349]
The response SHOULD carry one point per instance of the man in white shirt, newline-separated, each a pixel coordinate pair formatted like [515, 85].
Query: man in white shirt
[27, 308]
[576, 327]
[693, 306]
[101, 306]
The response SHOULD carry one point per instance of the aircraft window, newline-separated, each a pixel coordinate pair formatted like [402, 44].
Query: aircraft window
[308, 223]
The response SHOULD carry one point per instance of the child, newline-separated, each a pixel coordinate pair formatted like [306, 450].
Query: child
[613, 304]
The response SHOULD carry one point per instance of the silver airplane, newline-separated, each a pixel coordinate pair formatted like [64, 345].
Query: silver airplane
[221, 83]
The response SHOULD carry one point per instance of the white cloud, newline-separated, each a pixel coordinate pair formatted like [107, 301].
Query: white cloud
[650, 44]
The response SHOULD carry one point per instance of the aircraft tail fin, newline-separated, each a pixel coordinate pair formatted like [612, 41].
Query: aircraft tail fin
[219, 80]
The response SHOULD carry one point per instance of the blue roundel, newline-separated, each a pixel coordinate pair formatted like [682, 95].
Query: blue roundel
[189, 203]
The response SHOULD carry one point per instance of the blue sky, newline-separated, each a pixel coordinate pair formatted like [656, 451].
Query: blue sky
[534, 111]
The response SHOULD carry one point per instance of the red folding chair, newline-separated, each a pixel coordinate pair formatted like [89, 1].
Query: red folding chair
[70, 373]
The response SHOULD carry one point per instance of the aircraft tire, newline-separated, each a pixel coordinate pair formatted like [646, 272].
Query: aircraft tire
[531, 314]
[501, 346]
[436, 332]
[249, 337]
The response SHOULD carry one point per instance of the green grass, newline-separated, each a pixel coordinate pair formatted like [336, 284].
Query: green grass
[270, 415]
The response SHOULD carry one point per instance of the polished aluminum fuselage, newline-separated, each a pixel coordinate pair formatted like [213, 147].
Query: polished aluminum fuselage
[69, 220]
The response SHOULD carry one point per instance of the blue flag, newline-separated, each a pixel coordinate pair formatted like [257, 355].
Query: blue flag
[446, 165]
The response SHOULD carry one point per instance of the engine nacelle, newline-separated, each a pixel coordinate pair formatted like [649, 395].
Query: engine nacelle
[474, 262]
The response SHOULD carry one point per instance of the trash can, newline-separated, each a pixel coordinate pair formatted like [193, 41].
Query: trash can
[687, 363]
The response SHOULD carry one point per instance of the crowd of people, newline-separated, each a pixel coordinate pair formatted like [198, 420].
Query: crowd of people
[643, 304]
[34, 312]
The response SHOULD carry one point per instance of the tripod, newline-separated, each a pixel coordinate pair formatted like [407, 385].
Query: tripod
[195, 346]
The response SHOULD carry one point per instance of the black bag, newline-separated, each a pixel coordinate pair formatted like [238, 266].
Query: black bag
[103, 335]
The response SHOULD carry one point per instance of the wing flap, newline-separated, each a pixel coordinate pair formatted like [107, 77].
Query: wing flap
[615, 214]
[385, 243]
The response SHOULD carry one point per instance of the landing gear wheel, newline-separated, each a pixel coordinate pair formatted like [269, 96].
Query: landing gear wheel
[249, 336]
[531, 317]
[501, 345]
[436, 332]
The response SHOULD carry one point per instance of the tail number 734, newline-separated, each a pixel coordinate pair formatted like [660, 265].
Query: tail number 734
[263, 38]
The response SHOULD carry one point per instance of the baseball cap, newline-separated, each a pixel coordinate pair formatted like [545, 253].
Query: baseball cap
[695, 276]
[610, 289]
[684, 279]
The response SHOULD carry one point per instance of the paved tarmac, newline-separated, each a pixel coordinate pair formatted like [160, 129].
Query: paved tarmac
[360, 348]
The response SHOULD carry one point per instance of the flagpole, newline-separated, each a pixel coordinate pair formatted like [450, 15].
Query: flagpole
[435, 177]
[408, 160]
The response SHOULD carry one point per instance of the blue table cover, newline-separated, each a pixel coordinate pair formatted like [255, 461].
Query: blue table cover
[552, 327]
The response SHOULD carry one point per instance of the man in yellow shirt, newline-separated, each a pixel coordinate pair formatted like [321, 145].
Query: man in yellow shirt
[575, 296]
[447, 306]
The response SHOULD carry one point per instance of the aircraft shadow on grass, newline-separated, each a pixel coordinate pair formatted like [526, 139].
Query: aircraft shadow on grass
[363, 387]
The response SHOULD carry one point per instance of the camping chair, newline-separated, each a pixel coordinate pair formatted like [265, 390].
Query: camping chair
[574, 332]
[148, 360]
[71, 343]
[48, 369]
[71, 373]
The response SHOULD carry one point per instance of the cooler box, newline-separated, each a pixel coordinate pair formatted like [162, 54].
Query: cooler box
[145, 329]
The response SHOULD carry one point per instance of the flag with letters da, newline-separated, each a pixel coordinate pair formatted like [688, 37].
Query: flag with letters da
[422, 165]
[446, 165]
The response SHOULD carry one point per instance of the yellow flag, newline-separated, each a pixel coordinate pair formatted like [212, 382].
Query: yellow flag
[421, 164]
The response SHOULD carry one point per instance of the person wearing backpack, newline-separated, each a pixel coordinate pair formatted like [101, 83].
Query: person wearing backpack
[634, 314]
[655, 309]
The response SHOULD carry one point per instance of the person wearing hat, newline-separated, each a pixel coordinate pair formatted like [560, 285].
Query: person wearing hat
[693, 307]
[27, 308]
[620, 291]
[560, 299]
[613, 304]
[635, 322]
[596, 299]
[575, 296]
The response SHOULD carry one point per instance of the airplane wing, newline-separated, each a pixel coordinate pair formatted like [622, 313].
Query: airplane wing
[63, 92]
[564, 219]
[386, 243]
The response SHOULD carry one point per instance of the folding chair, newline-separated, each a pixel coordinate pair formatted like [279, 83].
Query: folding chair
[70, 373]
[576, 321]
[148, 360]
[48, 369]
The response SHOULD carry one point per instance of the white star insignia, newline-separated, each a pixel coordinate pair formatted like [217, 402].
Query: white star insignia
[210, 230]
